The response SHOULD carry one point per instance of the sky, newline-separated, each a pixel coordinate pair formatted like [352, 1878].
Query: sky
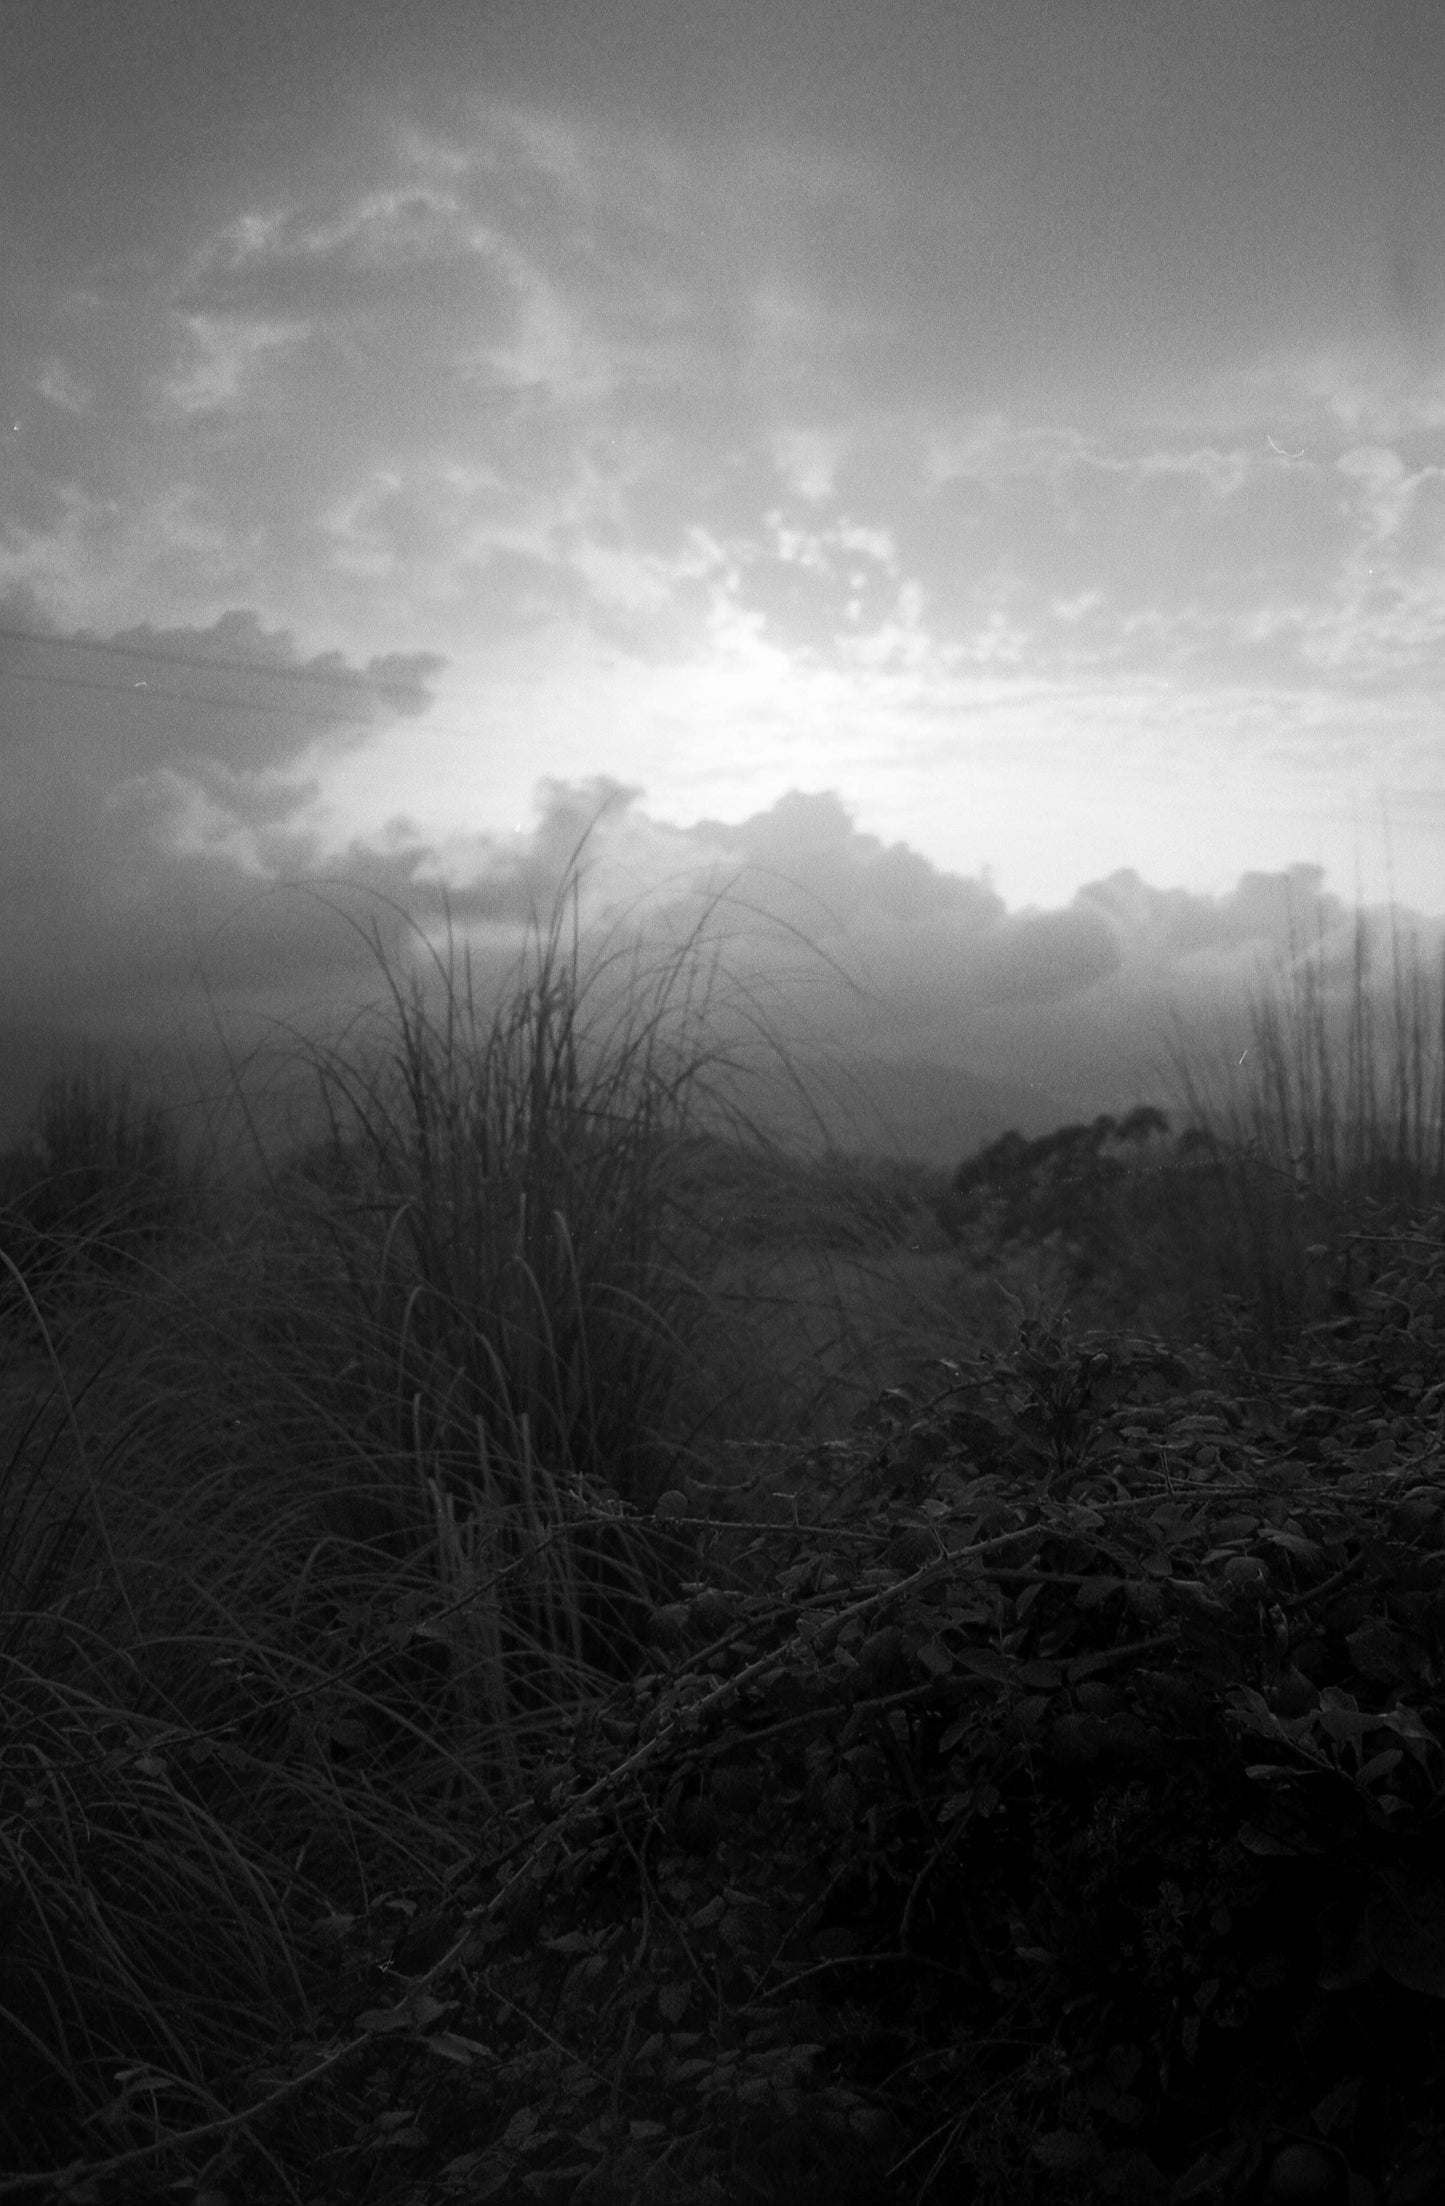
[969, 480]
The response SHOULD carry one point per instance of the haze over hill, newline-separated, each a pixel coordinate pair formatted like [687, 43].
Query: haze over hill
[920, 1013]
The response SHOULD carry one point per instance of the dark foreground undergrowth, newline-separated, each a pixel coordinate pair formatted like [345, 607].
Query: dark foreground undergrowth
[1048, 1805]
[1032, 1794]
[1055, 1813]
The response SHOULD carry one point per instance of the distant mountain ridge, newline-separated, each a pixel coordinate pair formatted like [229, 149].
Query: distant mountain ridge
[913, 1107]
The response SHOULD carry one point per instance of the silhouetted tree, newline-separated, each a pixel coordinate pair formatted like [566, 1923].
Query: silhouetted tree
[1140, 1123]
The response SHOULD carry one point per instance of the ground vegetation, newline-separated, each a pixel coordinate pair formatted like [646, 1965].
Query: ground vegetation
[552, 1649]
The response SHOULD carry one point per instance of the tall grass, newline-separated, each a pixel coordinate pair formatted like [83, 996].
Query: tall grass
[487, 1248]
[345, 1504]
[1321, 1136]
[100, 1184]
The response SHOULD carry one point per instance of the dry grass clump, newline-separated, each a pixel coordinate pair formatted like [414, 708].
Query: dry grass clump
[338, 1500]
[95, 1192]
[1316, 1140]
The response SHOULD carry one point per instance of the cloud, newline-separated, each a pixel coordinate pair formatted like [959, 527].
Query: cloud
[151, 776]
[225, 358]
[808, 460]
[865, 952]
[785, 469]
[535, 356]
[161, 864]
[60, 386]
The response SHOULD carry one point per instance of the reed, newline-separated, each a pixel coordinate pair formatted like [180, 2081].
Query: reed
[337, 1509]
[99, 1185]
[1323, 1131]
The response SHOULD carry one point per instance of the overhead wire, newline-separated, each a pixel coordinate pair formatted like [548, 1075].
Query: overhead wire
[366, 689]
[348, 679]
[183, 697]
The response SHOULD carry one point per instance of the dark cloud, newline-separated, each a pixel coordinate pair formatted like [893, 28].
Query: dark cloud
[153, 777]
